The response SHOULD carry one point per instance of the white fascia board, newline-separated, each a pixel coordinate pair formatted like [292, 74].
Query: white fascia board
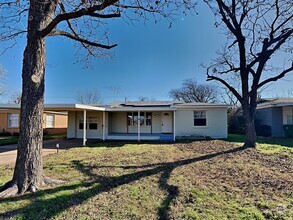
[71, 107]
[9, 106]
[89, 107]
[203, 107]
[272, 105]
[144, 109]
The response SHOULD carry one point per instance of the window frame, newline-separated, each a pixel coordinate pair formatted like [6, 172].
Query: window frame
[132, 119]
[203, 115]
[12, 125]
[90, 120]
[53, 121]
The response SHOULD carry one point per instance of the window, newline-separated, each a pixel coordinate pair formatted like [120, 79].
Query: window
[13, 120]
[289, 119]
[200, 118]
[145, 118]
[148, 119]
[129, 118]
[93, 123]
[135, 119]
[80, 125]
[49, 121]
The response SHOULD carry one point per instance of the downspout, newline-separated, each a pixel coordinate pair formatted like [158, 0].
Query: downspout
[174, 126]
[138, 126]
[84, 128]
[104, 125]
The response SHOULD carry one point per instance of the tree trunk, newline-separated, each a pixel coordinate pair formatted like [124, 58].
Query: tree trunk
[28, 172]
[249, 116]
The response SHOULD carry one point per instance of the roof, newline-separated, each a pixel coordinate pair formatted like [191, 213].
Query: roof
[125, 106]
[145, 104]
[275, 102]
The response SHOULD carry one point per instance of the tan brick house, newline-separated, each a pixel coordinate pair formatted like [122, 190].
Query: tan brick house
[53, 122]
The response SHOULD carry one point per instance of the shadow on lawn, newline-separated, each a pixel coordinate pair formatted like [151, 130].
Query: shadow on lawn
[47, 208]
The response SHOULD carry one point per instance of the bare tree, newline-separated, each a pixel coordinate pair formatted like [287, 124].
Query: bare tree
[81, 21]
[16, 98]
[143, 98]
[191, 91]
[90, 96]
[257, 31]
[2, 74]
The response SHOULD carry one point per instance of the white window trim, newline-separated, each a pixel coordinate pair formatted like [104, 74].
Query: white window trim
[142, 115]
[198, 126]
[8, 120]
[81, 121]
[53, 121]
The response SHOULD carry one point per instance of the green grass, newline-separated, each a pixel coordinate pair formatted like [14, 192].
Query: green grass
[269, 145]
[14, 139]
[197, 180]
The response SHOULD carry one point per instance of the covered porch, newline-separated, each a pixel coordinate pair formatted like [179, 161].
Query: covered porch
[143, 136]
[125, 124]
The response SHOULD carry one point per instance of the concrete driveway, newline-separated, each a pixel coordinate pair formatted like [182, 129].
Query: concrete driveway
[8, 152]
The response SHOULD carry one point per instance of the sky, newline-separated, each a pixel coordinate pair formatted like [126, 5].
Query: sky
[149, 61]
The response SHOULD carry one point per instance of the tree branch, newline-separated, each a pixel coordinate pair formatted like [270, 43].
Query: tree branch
[77, 14]
[79, 39]
[211, 77]
[281, 75]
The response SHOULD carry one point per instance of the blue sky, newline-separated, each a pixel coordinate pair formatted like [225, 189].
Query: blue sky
[150, 60]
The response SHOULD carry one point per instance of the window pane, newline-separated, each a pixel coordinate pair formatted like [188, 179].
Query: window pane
[135, 118]
[129, 119]
[142, 118]
[289, 119]
[200, 118]
[49, 121]
[93, 126]
[200, 122]
[80, 126]
[93, 122]
[148, 120]
[13, 120]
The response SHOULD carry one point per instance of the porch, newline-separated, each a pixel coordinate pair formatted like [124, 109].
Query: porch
[141, 136]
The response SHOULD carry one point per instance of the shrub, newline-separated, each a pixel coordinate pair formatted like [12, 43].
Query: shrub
[263, 130]
[5, 133]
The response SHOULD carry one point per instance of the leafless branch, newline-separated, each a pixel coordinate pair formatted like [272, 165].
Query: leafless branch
[76, 38]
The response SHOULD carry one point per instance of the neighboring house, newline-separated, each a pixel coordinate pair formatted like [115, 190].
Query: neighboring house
[53, 122]
[275, 112]
[155, 120]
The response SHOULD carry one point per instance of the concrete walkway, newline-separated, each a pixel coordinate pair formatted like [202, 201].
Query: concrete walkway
[8, 152]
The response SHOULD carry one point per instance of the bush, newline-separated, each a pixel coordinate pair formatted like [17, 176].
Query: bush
[236, 124]
[288, 131]
[263, 130]
[5, 133]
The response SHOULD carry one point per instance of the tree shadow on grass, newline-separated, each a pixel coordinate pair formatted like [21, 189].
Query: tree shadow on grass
[46, 205]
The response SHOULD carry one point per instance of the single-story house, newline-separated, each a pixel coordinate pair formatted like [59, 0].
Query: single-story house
[146, 120]
[276, 113]
[53, 122]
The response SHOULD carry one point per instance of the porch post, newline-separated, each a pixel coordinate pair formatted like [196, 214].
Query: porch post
[84, 128]
[174, 126]
[138, 126]
[104, 126]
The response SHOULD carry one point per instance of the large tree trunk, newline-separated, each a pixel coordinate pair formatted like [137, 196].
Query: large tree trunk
[28, 172]
[249, 116]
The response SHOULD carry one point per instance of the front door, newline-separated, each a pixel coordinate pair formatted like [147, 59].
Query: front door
[167, 122]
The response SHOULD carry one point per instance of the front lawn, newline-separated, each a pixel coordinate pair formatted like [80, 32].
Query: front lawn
[197, 180]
